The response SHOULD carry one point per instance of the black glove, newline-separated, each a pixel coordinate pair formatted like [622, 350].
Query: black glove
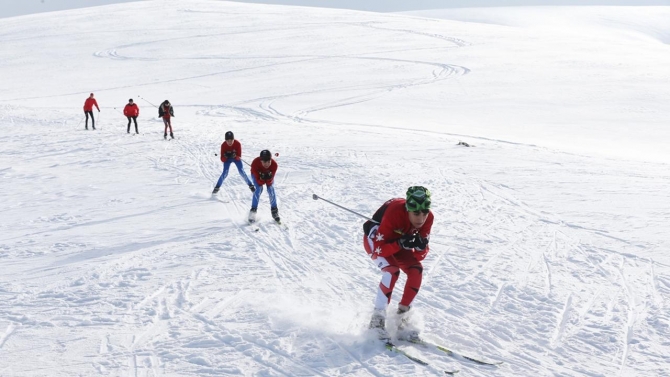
[230, 154]
[266, 176]
[252, 188]
[413, 241]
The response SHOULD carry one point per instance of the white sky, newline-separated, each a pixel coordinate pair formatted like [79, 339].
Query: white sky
[11, 8]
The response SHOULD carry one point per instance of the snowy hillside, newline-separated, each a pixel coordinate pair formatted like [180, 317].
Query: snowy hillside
[549, 249]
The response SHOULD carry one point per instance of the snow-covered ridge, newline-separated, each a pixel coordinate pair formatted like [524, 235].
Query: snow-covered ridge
[648, 21]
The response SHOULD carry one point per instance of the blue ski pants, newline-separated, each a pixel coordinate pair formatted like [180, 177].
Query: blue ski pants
[259, 191]
[226, 167]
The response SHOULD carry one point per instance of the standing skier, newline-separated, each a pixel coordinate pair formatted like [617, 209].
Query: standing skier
[131, 111]
[165, 111]
[88, 110]
[263, 170]
[231, 153]
[398, 241]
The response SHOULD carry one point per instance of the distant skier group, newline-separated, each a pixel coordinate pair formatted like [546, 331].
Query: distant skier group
[396, 238]
[132, 111]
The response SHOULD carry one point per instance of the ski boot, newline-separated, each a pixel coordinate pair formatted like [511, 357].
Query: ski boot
[165, 136]
[171, 135]
[275, 214]
[252, 214]
[378, 325]
[252, 188]
[406, 331]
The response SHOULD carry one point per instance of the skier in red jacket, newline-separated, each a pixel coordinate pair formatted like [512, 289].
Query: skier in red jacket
[398, 241]
[263, 170]
[88, 110]
[231, 153]
[131, 111]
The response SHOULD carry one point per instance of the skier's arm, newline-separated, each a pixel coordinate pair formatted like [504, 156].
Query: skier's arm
[273, 171]
[223, 152]
[255, 173]
[386, 240]
[424, 232]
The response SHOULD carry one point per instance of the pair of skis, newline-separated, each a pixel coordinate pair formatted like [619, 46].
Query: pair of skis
[394, 348]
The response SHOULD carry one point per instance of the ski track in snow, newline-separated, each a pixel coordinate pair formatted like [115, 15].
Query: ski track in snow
[120, 257]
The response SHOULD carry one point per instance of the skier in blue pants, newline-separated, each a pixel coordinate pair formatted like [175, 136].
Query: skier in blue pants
[231, 153]
[263, 170]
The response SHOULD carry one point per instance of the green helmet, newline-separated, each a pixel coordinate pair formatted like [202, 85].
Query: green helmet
[418, 198]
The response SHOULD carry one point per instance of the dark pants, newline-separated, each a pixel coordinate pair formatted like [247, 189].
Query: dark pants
[134, 119]
[92, 119]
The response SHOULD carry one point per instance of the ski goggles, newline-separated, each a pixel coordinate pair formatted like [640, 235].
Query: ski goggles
[413, 205]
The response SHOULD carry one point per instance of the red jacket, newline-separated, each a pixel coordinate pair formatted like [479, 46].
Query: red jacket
[90, 102]
[393, 225]
[236, 150]
[131, 110]
[257, 168]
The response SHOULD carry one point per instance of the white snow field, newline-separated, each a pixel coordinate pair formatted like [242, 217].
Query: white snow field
[550, 246]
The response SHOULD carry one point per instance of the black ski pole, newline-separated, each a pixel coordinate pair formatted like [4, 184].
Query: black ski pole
[119, 111]
[316, 197]
[142, 98]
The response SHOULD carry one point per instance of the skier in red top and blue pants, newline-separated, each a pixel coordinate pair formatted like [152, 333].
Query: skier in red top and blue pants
[231, 153]
[397, 240]
[263, 170]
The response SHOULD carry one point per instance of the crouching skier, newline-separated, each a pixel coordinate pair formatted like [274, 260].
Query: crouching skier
[398, 241]
[263, 172]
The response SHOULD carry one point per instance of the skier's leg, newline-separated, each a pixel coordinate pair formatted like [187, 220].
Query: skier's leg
[129, 118]
[390, 273]
[224, 174]
[414, 271]
[135, 120]
[92, 120]
[273, 197]
[240, 169]
[165, 122]
[257, 193]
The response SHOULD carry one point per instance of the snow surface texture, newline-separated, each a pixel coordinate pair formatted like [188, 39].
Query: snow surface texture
[550, 247]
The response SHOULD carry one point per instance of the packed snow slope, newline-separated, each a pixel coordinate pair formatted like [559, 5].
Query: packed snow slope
[550, 246]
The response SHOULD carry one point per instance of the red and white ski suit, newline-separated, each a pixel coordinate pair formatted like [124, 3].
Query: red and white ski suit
[381, 243]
